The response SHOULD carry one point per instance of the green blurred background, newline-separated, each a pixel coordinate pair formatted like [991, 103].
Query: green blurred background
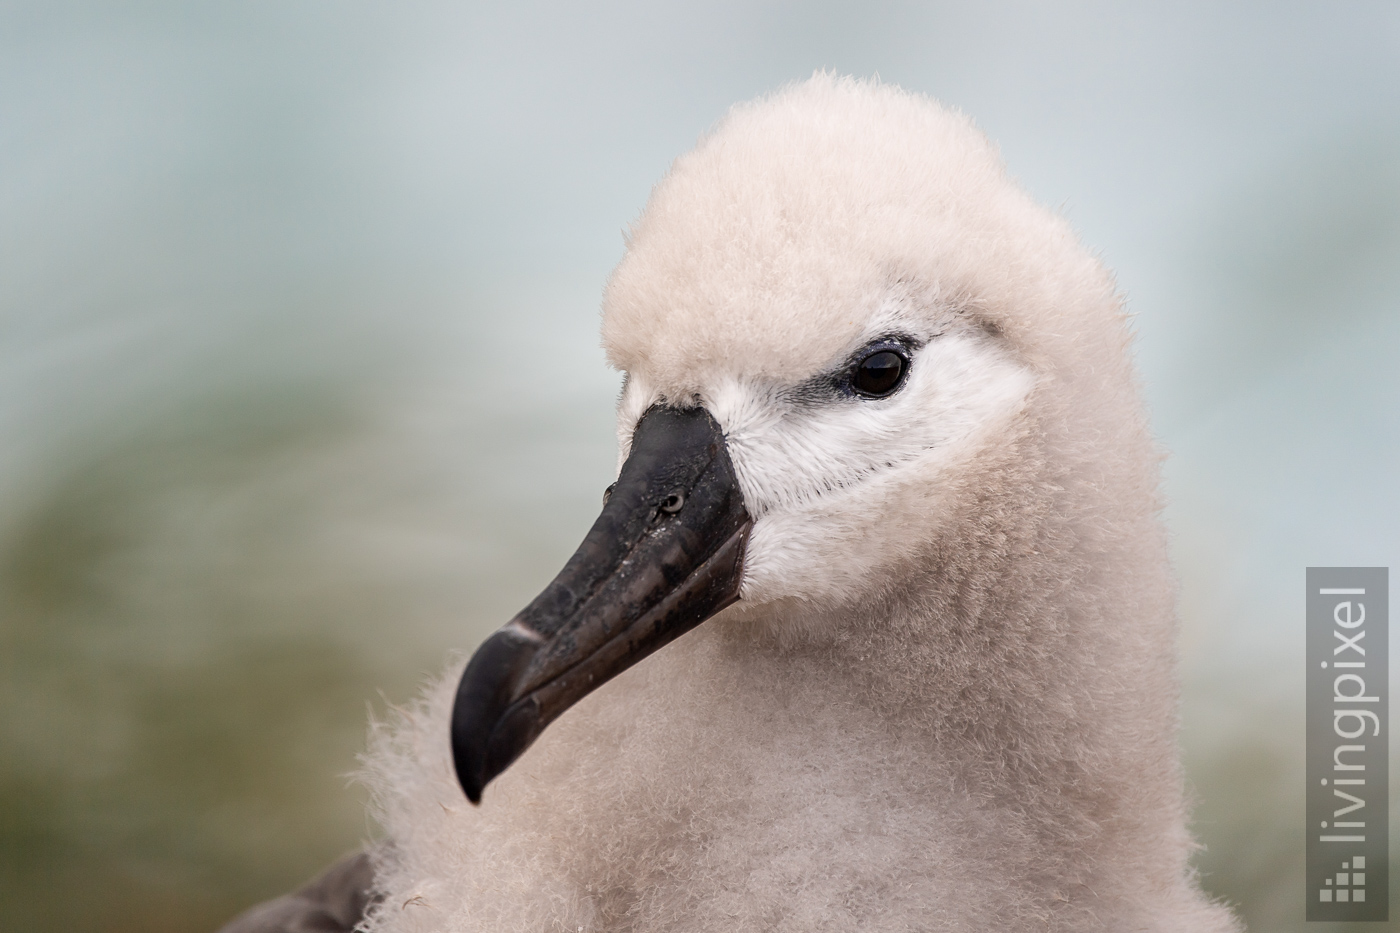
[300, 388]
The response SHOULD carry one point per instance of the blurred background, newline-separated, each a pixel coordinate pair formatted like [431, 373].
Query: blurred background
[300, 388]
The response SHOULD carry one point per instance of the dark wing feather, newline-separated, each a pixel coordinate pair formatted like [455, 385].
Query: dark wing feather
[332, 903]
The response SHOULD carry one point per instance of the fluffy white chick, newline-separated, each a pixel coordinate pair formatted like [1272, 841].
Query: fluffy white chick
[945, 699]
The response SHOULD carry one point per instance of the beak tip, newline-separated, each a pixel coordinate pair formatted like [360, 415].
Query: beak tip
[466, 777]
[474, 775]
[483, 702]
[485, 746]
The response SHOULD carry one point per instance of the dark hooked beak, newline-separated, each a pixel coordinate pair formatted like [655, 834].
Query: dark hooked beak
[666, 553]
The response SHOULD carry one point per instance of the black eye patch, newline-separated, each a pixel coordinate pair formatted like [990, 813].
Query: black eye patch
[877, 370]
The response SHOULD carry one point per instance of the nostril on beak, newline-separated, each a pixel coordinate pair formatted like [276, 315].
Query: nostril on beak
[673, 503]
[607, 493]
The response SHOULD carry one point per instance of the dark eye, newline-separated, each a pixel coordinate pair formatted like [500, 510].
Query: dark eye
[879, 374]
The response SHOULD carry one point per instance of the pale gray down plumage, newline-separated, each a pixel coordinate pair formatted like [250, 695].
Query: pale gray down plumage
[947, 697]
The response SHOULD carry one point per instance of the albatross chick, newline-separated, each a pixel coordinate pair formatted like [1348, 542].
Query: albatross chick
[876, 628]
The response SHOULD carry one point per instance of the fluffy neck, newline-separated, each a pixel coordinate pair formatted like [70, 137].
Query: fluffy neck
[1026, 656]
[992, 749]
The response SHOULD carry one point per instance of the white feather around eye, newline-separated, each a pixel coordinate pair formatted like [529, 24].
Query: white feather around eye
[838, 488]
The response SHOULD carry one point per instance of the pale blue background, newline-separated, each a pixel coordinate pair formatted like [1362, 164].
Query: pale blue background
[300, 386]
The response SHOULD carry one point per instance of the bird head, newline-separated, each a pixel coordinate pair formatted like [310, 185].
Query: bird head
[834, 317]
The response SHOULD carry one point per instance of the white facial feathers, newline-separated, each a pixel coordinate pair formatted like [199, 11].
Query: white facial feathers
[834, 481]
[840, 487]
